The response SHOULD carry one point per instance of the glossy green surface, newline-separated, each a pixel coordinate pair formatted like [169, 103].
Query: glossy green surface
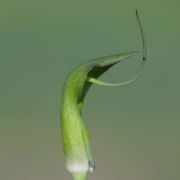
[41, 40]
[77, 149]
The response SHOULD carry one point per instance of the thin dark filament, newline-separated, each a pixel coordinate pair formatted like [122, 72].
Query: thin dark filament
[142, 35]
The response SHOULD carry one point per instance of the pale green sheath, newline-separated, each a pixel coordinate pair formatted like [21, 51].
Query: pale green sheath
[75, 137]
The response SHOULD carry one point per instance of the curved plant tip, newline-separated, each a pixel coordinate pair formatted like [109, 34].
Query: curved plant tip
[75, 137]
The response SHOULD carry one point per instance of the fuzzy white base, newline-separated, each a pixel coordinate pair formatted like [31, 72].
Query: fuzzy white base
[77, 167]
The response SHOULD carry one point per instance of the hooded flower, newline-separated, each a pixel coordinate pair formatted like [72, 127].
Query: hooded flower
[76, 142]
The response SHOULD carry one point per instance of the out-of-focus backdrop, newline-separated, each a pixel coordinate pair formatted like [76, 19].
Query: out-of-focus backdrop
[135, 130]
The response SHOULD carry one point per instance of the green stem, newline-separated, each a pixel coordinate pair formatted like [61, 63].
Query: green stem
[79, 176]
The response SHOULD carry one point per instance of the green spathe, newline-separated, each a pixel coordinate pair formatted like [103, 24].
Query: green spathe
[75, 136]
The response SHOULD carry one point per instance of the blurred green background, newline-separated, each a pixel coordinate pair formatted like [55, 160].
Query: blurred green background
[135, 129]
